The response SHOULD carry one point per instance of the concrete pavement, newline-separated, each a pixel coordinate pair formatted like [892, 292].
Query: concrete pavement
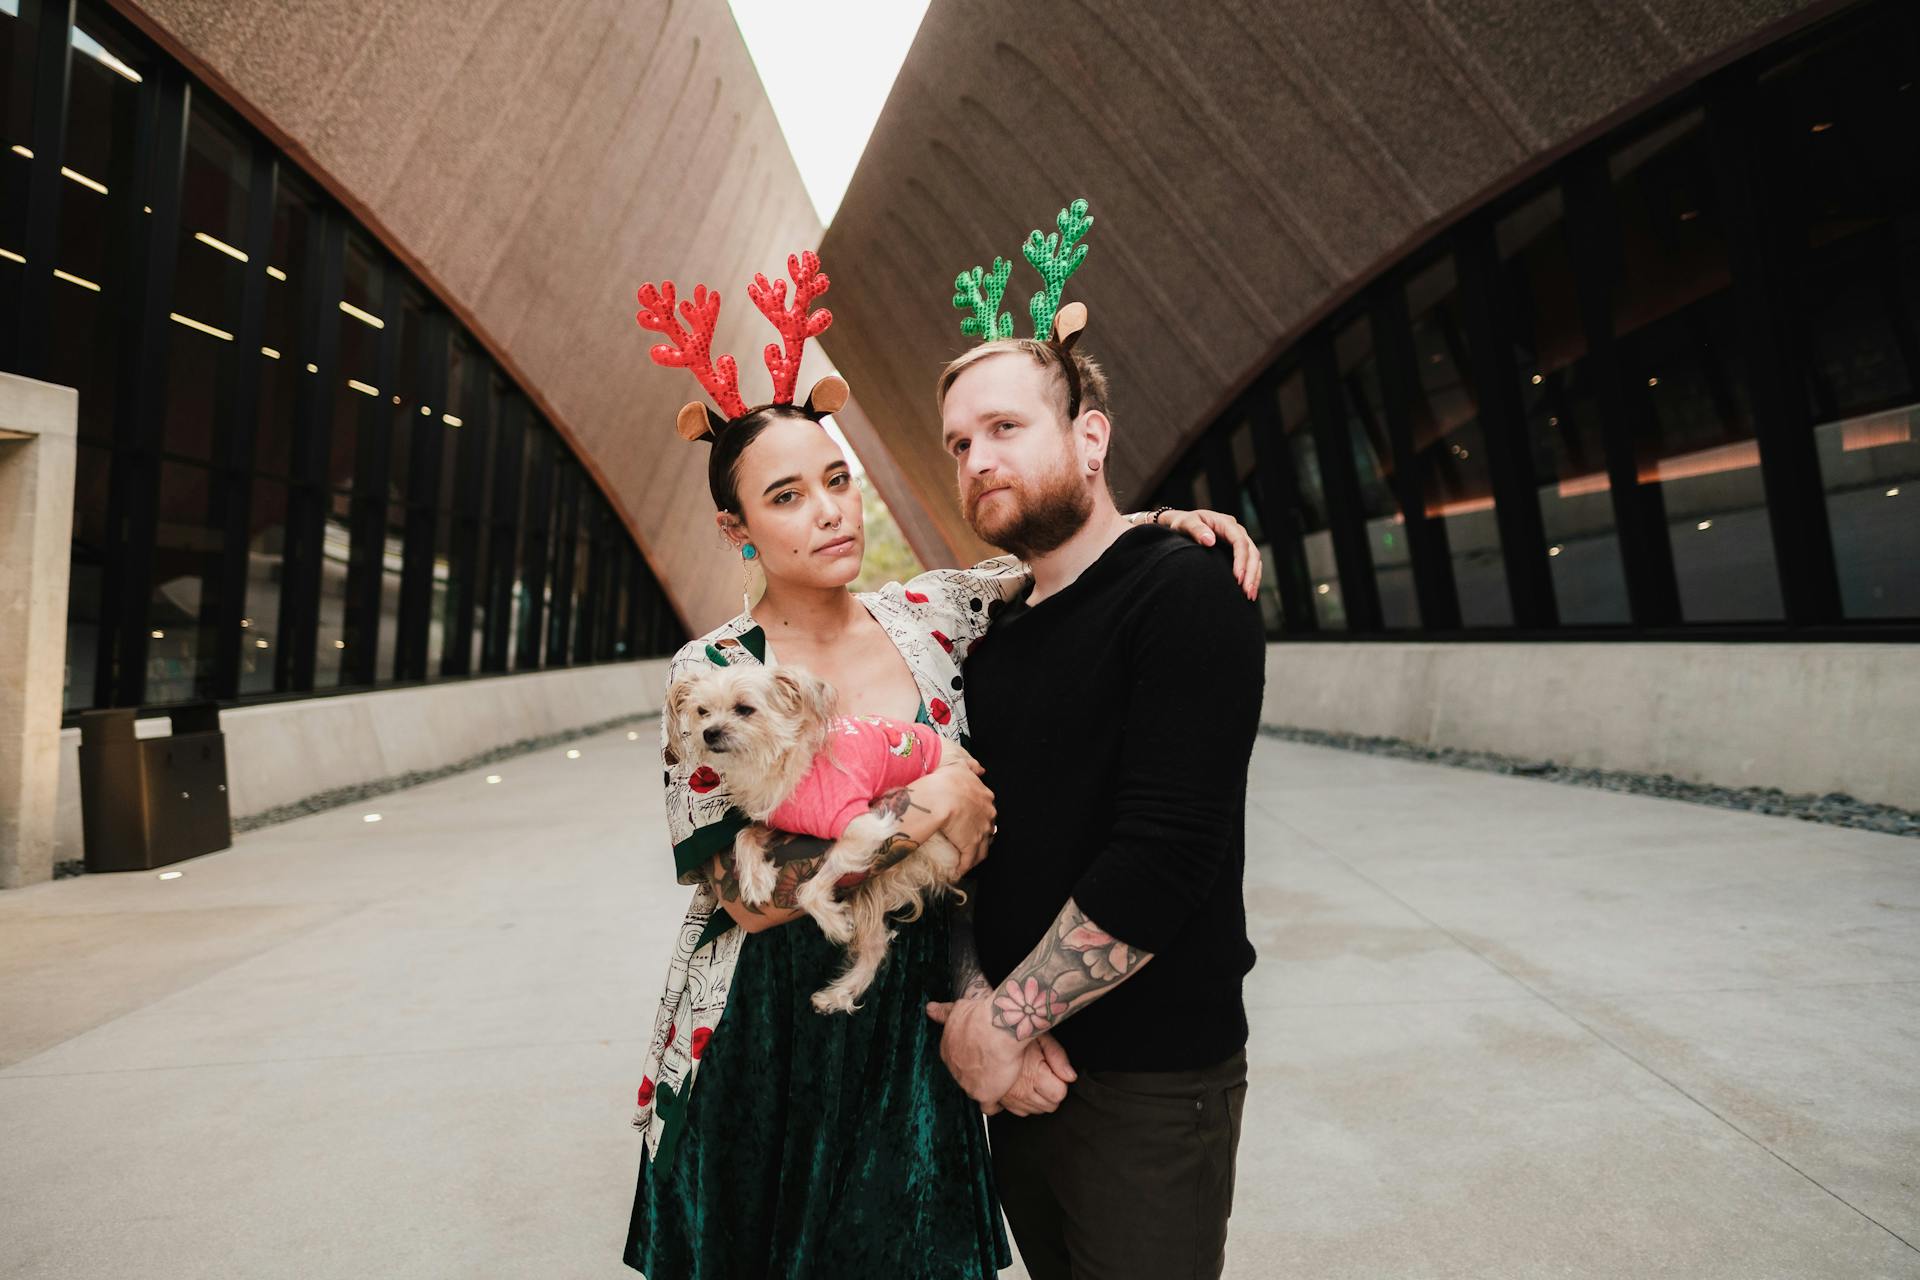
[1502, 1028]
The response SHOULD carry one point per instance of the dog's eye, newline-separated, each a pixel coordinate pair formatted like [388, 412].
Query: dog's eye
[743, 710]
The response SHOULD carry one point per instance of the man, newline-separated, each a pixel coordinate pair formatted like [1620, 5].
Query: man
[1114, 709]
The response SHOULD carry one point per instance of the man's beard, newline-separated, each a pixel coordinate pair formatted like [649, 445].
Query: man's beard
[1032, 521]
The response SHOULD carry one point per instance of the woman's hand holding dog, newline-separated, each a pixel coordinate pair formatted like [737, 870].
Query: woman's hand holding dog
[962, 806]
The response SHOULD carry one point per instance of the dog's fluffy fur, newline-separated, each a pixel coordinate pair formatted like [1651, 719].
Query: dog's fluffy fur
[761, 728]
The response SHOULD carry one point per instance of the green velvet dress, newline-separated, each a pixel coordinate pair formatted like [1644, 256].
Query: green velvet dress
[823, 1147]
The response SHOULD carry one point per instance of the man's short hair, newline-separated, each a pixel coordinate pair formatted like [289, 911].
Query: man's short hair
[1093, 379]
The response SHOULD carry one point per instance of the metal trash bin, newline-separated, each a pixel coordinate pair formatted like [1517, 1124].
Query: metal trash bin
[146, 802]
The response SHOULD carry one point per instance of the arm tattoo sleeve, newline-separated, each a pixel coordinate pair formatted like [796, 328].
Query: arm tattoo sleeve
[1075, 964]
[799, 858]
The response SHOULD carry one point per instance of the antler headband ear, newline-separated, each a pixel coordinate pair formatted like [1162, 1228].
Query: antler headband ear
[690, 346]
[1055, 255]
[795, 323]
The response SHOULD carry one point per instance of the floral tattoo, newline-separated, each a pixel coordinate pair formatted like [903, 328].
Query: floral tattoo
[1074, 965]
[799, 858]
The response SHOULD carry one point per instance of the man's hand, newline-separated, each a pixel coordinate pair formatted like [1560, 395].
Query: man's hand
[1045, 1074]
[985, 1059]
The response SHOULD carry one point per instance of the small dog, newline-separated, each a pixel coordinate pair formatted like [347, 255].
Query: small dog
[788, 759]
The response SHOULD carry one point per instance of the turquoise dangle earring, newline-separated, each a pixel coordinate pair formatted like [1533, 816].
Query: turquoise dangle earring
[747, 554]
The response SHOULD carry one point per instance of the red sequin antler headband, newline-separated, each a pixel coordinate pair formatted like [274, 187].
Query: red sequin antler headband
[690, 346]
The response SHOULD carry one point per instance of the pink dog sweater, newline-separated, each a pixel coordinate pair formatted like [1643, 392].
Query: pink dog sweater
[865, 756]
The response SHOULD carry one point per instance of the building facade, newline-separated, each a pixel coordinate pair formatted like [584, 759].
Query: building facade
[1668, 386]
[314, 453]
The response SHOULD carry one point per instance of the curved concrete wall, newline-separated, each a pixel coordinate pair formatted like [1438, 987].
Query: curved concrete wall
[1248, 164]
[533, 163]
[1809, 719]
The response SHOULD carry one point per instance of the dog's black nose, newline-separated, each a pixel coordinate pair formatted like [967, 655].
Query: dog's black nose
[713, 736]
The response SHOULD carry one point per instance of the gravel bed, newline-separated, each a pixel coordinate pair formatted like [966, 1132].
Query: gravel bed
[1834, 808]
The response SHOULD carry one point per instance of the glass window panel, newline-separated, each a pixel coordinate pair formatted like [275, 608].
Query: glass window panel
[1247, 506]
[559, 585]
[86, 573]
[1247, 509]
[585, 588]
[1202, 491]
[356, 391]
[18, 32]
[266, 565]
[407, 406]
[1449, 448]
[393, 545]
[336, 542]
[99, 207]
[506, 457]
[283, 359]
[205, 308]
[1561, 414]
[1839, 123]
[1310, 505]
[187, 542]
[1674, 314]
[1366, 429]
[440, 620]
[531, 584]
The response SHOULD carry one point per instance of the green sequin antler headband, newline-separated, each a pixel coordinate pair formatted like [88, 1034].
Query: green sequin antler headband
[1055, 256]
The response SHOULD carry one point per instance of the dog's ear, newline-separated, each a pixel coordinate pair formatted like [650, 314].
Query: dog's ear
[675, 714]
[799, 696]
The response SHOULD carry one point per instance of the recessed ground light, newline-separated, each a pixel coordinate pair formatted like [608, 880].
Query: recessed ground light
[371, 817]
[1704, 524]
[1324, 588]
[1553, 551]
[573, 755]
[634, 737]
[493, 777]
[170, 875]
[1894, 492]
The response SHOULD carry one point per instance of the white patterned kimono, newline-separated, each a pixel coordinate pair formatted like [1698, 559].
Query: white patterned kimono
[931, 620]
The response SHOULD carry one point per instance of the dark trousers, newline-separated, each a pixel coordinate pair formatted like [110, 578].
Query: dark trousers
[1131, 1177]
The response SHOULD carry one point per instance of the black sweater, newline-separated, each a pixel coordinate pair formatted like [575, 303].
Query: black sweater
[1115, 720]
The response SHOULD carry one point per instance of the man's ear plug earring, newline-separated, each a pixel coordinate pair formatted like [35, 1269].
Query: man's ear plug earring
[749, 551]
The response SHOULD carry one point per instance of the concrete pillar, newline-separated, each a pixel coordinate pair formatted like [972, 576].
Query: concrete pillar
[38, 424]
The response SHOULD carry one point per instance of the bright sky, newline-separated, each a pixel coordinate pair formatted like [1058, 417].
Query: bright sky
[827, 109]
[828, 113]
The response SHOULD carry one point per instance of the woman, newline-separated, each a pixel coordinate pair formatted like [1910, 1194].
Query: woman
[819, 1146]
